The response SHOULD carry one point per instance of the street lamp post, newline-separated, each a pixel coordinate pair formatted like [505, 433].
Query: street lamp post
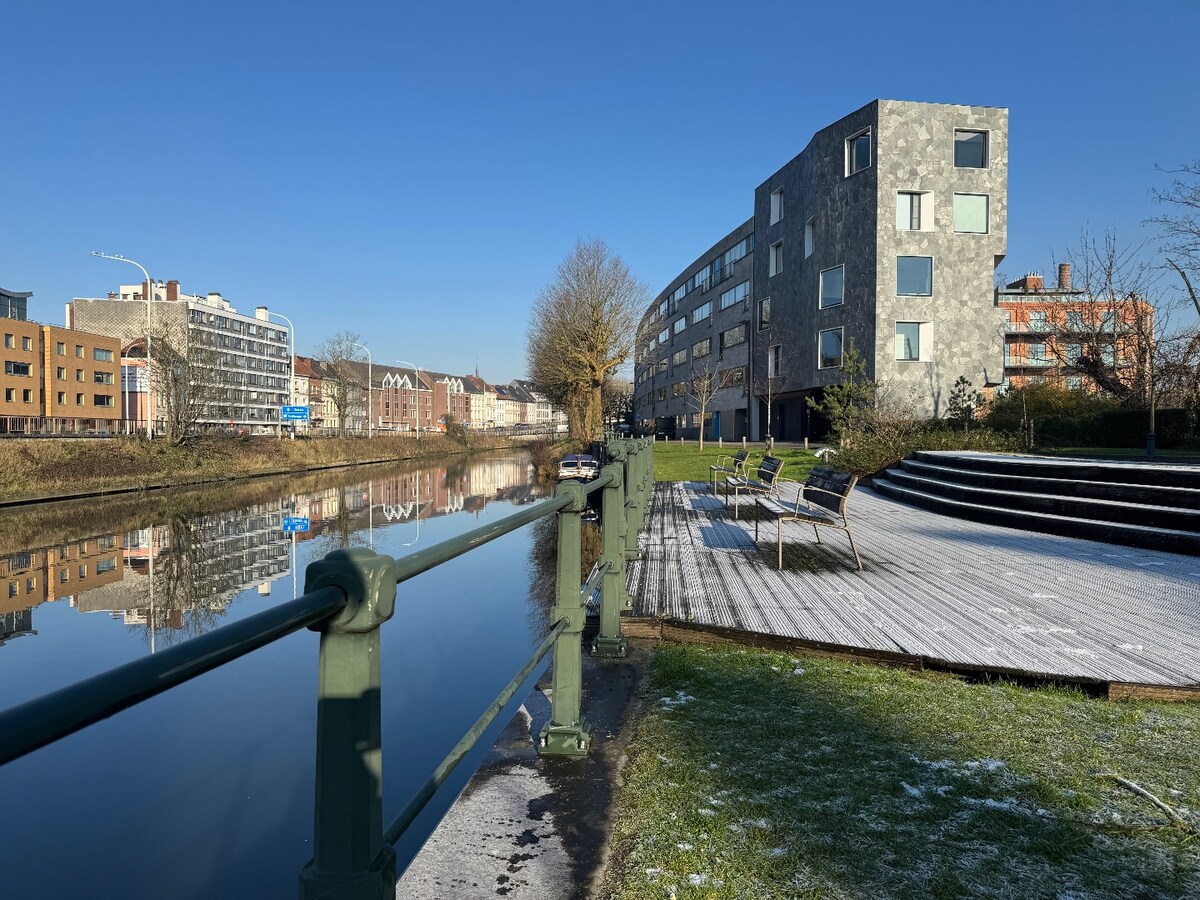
[149, 328]
[416, 369]
[370, 411]
[291, 362]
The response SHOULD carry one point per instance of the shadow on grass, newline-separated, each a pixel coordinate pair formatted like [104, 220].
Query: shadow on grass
[760, 775]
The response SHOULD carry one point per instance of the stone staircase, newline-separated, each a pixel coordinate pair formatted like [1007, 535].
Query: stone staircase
[1137, 504]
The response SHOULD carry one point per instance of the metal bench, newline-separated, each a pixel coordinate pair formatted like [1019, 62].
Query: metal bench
[820, 502]
[766, 484]
[737, 466]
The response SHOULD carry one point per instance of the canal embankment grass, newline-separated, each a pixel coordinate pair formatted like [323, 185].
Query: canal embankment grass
[33, 470]
[756, 774]
[675, 461]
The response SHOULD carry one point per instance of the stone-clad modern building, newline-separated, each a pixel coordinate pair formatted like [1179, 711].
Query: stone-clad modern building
[885, 232]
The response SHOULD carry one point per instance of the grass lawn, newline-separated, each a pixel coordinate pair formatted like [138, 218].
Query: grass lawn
[686, 462]
[760, 775]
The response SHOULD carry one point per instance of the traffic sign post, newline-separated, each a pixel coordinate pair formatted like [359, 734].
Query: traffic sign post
[295, 524]
[294, 413]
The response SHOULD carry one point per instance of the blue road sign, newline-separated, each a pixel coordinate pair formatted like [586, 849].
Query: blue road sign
[294, 414]
[295, 524]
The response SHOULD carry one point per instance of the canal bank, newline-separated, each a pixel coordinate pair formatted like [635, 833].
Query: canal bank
[50, 471]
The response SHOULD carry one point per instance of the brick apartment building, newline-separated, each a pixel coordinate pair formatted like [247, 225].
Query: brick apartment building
[56, 379]
[1065, 336]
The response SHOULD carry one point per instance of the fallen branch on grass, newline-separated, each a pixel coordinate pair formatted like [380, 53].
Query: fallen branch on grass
[1177, 820]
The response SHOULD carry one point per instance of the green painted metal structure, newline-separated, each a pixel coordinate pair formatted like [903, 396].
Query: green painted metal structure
[347, 596]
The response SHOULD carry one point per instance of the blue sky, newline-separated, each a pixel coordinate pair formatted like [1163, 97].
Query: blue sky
[415, 172]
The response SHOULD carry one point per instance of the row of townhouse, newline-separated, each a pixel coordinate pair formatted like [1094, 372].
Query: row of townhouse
[406, 399]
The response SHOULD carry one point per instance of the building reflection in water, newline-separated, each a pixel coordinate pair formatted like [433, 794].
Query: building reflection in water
[177, 578]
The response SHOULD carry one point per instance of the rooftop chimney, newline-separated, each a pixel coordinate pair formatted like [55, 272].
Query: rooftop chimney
[1064, 276]
[260, 313]
[172, 291]
[1031, 282]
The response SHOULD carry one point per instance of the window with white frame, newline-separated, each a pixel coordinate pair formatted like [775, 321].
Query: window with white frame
[829, 348]
[679, 325]
[809, 236]
[775, 361]
[702, 312]
[775, 260]
[776, 205]
[914, 211]
[858, 152]
[664, 336]
[735, 295]
[833, 284]
[971, 213]
[914, 276]
[908, 341]
[970, 149]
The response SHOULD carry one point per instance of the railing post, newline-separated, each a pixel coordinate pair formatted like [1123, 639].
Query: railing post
[633, 478]
[567, 733]
[614, 596]
[350, 860]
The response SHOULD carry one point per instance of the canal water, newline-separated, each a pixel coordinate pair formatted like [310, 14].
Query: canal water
[207, 790]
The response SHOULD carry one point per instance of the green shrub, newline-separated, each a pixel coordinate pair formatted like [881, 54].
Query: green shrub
[1037, 402]
[871, 454]
[1114, 428]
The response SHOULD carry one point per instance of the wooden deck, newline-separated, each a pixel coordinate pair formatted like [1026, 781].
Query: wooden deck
[956, 594]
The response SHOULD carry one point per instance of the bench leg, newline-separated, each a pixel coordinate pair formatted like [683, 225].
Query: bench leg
[779, 527]
[855, 549]
[817, 533]
[756, 526]
[735, 501]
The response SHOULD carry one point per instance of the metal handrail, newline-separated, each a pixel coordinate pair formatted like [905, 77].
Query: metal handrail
[425, 793]
[54, 716]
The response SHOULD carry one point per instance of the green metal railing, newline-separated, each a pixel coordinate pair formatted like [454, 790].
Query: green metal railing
[347, 596]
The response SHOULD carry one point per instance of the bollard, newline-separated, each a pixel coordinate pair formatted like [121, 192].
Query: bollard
[567, 733]
[806, 443]
[614, 596]
[720, 442]
[743, 442]
[349, 858]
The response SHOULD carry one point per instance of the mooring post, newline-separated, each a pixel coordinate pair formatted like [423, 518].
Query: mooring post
[350, 859]
[614, 596]
[567, 733]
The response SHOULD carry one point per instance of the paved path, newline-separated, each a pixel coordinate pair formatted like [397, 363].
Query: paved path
[952, 591]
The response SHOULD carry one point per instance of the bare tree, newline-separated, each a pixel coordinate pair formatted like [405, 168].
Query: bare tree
[702, 385]
[775, 358]
[617, 398]
[581, 328]
[187, 381]
[342, 374]
[1181, 230]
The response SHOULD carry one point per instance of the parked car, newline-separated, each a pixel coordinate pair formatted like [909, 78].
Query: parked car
[579, 466]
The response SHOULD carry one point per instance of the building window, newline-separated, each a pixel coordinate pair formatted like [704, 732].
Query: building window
[908, 340]
[680, 324]
[79, 374]
[664, 335]
[833, 283]
[732, 337]
[735, 295]
[764, 313]
[10, 395]
[661, 366]
[62, 397]
[775, 261]
[60, 348]
[1108, 356]
[775, 361]
[102, 377]
[679, 357]
[970, 149]
[1074, 383]
[104, 566]
[702, 348]
[776, 205]
[10, 341]
[27, 395]
[914, 276]
[16, 368]
[679, 388]
[102, 355]
[1038, 321]
[26, 343]
[61, 373]
[914, 211]
[830, 348]
[858, 152]
[971, 213]
[103, 399]
[1037, 354]
[1074, 351]
[1074, 321]
[701, 312]
[662, 394]
[79, 400]
[79, 351]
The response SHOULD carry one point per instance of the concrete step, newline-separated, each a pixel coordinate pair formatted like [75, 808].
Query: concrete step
[1130, 534]
[1152, 495]
[1151, 474]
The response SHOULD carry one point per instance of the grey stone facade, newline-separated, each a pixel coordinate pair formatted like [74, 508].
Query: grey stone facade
[853, 221]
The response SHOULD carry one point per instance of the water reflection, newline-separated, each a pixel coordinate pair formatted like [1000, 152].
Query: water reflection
[170, 569]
